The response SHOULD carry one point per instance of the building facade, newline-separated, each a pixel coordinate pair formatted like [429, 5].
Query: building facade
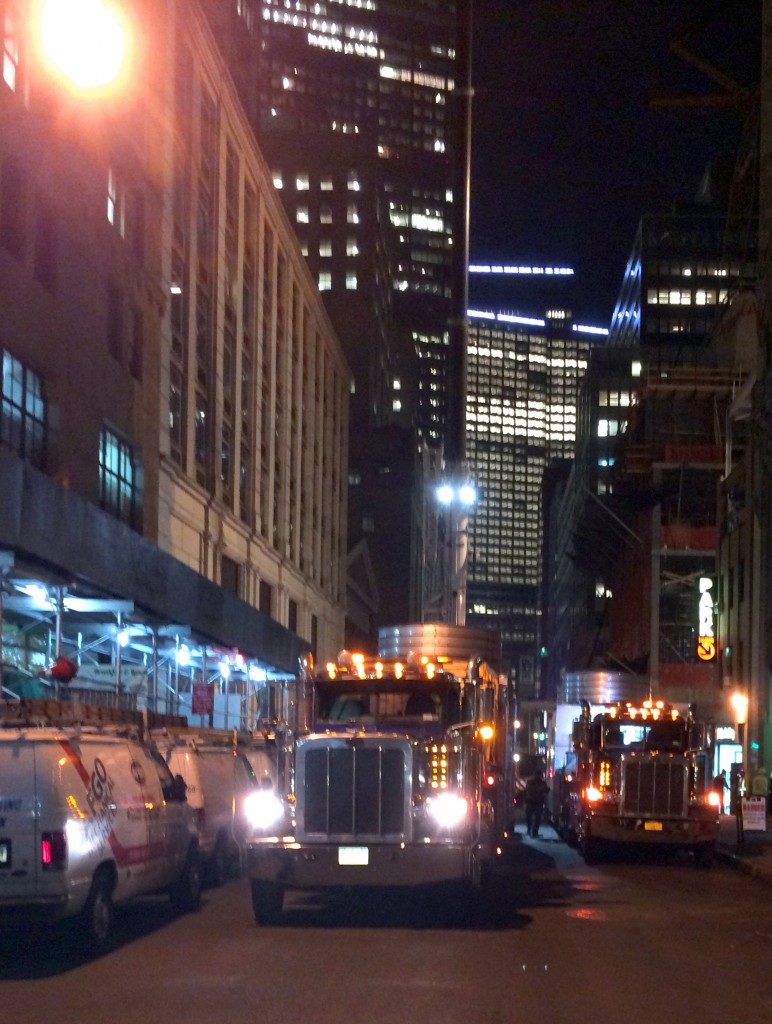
[174, 397]
[254, 386]
[683, 268]
[353, 105]
[523, 384]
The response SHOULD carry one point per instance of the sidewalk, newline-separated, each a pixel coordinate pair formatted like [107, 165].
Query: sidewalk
[754, 856]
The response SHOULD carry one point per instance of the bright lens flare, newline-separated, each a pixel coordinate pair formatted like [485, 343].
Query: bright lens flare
[86, 41]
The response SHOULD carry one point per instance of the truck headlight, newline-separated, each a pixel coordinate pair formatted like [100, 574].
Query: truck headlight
[447, 809]
[263, 809]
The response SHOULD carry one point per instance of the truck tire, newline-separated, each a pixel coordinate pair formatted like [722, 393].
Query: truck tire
[185, 894]
[267, 902]
[98, 914]
[705, 855]
[592, 850]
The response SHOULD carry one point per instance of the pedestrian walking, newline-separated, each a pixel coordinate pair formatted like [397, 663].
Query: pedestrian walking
[536, 790]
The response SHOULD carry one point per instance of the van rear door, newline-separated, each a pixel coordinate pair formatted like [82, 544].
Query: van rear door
[19, 845]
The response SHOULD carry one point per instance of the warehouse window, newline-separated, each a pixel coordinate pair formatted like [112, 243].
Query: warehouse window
[120, 479]
[23, 411]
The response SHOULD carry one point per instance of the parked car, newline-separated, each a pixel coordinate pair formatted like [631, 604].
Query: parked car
[218, 777]
[89, 818]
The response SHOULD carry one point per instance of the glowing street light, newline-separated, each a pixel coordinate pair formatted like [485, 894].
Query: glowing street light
[464, 494]
[85, 42]
[739, 703]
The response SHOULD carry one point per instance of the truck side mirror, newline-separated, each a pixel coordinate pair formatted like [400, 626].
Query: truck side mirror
[179, 789]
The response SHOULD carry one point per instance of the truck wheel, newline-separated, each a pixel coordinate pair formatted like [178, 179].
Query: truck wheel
[592, 850]
[185, 894]
[267, 902]
[97, 915]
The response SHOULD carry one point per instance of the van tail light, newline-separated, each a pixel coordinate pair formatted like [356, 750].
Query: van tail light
[53, 850]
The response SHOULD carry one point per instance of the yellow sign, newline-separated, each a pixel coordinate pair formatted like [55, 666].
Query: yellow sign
[706, 648]
[706, 642]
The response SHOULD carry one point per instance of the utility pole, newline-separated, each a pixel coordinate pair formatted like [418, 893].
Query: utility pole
[458, 517]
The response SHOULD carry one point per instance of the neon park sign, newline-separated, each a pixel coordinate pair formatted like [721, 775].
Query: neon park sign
[706, 638]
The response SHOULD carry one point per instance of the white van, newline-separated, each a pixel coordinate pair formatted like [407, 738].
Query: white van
[218, 778]
[89, 817]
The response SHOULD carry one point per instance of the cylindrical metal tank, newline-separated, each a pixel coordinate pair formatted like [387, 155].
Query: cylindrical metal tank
[600, 687]
[439, 641]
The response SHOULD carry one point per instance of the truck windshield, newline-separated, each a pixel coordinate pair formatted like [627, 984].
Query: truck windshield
[638, 735]
[386, 703]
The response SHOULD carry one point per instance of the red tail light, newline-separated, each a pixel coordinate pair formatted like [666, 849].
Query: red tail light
[53, 849]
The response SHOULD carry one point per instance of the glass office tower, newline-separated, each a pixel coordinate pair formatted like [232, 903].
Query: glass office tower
[523, 384]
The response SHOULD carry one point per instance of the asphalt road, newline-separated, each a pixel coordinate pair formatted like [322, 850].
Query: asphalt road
[623, 943]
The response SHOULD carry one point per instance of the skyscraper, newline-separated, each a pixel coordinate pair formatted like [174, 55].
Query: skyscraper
[352, 103]
[524, 375]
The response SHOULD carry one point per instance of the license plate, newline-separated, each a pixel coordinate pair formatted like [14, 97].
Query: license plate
[652, 826]
[353, 856]
[5, 853]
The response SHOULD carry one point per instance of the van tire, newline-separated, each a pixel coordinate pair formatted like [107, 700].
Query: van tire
[267, 902]
[218, 863]
[185, 894]
[98, 914]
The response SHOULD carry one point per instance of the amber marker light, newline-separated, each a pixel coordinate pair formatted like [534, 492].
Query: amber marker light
[85, 42]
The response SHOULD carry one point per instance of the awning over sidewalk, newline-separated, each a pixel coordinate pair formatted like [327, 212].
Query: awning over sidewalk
[55, 535]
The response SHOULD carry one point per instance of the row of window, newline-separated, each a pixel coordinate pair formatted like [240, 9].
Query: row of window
[23, 429]
[302, 215]
[686, 297]
[303, 182]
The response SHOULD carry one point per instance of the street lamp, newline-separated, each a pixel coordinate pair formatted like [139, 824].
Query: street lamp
[86, 43]
[739, 702]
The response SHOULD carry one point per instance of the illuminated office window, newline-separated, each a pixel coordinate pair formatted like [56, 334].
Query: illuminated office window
[325, 281]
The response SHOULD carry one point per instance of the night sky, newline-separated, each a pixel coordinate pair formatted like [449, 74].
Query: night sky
[568, 151]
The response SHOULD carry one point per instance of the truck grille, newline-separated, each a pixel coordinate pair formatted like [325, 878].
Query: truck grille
[353, 789]
[654, 788]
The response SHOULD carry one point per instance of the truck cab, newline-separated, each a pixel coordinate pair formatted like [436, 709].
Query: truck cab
[382, 782]
[641, 777]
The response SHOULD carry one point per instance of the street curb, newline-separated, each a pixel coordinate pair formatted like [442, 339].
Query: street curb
[747, 867]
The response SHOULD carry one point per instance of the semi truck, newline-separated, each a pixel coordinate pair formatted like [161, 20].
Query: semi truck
[390, 774]
[638, 775]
